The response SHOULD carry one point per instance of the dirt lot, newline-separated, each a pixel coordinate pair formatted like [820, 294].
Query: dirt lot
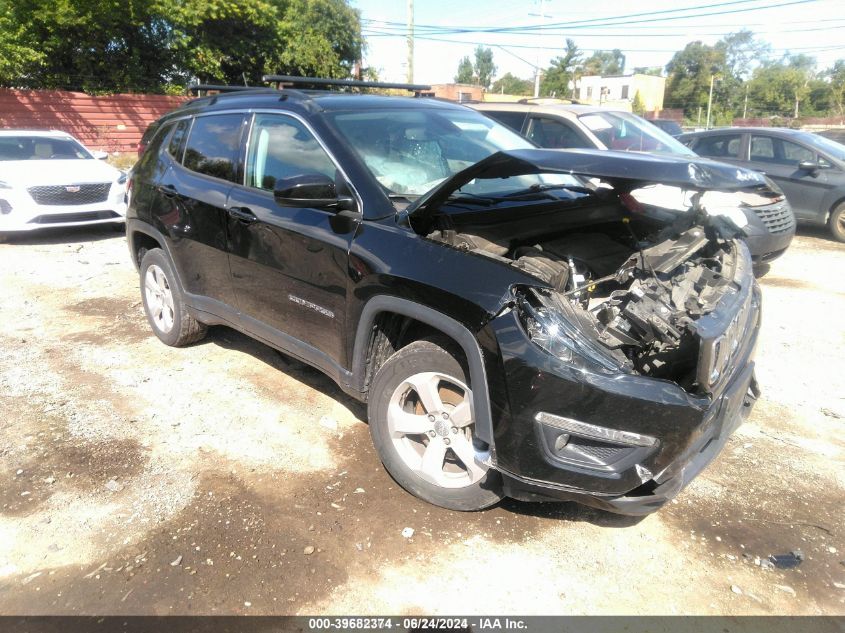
[137, 478]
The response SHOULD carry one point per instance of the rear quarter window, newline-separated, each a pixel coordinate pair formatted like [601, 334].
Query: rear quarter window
[213, 145]
[725, 146]
[513, 120]
[153, 147]
[176, 145]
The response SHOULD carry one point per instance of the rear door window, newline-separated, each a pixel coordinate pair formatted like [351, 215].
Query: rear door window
[722, 146]
[762, 149]
[213, 145]
[554, 134]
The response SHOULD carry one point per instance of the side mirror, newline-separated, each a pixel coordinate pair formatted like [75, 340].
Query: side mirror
[307, 190]
[809, 166]
[100, 155]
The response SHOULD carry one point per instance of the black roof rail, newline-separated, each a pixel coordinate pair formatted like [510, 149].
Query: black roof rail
[346, 83]
[222, 88]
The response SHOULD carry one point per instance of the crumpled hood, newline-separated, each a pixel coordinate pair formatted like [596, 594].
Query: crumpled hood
[625, 171]
[27, 173]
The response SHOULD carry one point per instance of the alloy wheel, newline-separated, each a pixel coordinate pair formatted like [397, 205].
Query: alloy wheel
[159, 298]
[431, 425]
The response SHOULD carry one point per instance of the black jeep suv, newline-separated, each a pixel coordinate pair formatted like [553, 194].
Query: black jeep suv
[515, 328]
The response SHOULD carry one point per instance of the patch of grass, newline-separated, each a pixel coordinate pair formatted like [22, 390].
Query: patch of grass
[123, 160]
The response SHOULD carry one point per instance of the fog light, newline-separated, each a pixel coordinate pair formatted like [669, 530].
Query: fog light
[561, 441]
[602, 433]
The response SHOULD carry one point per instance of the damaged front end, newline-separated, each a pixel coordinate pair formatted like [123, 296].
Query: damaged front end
[627, 347]
[623, 290]
[645, 317]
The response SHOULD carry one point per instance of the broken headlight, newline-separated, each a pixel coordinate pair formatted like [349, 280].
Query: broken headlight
[549, 324]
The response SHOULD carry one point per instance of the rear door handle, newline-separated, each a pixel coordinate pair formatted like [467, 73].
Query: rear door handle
[243, 214]
[168, 190]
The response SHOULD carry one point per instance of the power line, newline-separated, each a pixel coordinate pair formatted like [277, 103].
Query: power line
[591, 50]
[370, 32]
[623, 20]
[577, 22]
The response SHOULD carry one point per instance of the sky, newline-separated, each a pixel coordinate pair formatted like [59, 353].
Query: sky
[812, 27]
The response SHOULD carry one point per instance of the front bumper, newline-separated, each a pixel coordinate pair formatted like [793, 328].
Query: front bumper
[614, 465]
[734, 406]
[20, 213]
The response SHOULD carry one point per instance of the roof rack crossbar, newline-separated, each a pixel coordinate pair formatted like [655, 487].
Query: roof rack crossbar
[349, 83]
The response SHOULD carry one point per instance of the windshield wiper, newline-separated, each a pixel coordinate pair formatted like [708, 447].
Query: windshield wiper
[534, 192]
[484, 201]
[535, 189]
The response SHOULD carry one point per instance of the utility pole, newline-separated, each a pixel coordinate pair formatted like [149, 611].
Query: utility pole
[410, 41]
[539, 42]
[745, 107]
[709, 102]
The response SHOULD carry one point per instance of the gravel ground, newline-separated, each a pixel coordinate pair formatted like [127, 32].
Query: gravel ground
[226, 478]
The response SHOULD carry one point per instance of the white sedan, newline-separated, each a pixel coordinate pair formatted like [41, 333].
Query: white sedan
[48, 178]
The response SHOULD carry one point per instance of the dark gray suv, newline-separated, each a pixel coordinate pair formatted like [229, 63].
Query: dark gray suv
[809, 168]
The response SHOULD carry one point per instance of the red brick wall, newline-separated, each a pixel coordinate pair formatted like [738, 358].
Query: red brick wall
[789, 122]
[113, 123]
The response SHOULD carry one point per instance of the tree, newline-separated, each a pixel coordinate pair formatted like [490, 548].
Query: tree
[656, 71]
[220, 41]
[481, 73]
[319, 38]
[605, 63]
[562, 70]
[637, 105]
[689, 73]
[84, 44]
[151, 45]
[780, 87]
[835, 74]
[465, 74]
[17, 52]
[484, 67]
[512, 85]
[741, 53]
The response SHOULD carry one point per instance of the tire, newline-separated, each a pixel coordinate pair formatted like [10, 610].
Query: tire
[421, 422]
[166, 311]
[837, 223]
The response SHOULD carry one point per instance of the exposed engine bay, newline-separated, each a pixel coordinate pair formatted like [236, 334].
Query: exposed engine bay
[634, 286]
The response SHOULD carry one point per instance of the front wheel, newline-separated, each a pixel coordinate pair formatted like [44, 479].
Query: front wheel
[422, 424]
[837, 222]
[163, 304]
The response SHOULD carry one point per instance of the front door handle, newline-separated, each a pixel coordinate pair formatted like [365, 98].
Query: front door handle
[243, 214]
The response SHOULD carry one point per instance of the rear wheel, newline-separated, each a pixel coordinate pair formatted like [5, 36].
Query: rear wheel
[837, 222]
[423, 427]
[166, 311]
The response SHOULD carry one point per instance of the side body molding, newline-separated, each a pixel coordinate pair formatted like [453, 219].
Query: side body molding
[439, 321]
